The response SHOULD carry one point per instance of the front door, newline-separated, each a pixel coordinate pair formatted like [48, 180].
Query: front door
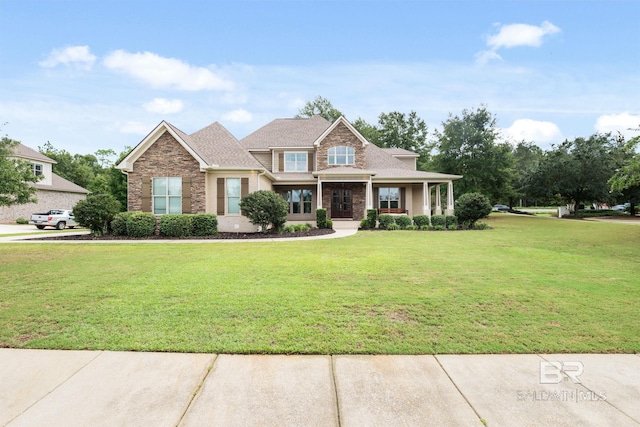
[341, 206]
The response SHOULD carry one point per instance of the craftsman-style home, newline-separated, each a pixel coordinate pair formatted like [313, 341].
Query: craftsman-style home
[311, 162]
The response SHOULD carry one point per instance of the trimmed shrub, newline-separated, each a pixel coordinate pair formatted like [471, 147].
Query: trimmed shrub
[372, 218]
[321, 218]
[425, 227]
[22, 221]
[393, 226]
[438, 227]
[329, 224]
[438, 220]
[452, 227]
[385, 221]
[413, 227]
[119, 223]
[141, 224]
[364, 224]
[471, 207]
[403, 221]
[204, 225]
[265, 209]
[450, 220]
[480, 226]
[175, 225]
[96, 212]
[420, 220]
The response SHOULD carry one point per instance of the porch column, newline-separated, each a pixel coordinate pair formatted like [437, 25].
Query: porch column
[450, 203]
[319, 195]
[369, 196]
[438, 200]
[426, 200]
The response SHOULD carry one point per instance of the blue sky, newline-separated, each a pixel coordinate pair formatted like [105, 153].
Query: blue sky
[88, 75]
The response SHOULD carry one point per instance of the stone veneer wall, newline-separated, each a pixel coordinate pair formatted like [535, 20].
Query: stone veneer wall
[46, 200]
[166, 157]
[341, 135]
[358, 197]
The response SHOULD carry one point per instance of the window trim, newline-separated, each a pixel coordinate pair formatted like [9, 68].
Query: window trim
[287, 195]
[227, 197]
[349, 155]
[388, 200]
[167, 197]
[34, 168]
[305, 162]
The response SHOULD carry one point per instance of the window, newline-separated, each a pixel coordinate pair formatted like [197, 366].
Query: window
[299, 201]
[167, 195]
[295, 162]
[389, 197]
[341, 156]
[36, 168]
[233, 195]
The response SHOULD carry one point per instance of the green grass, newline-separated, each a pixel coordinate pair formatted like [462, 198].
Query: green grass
[528, 285]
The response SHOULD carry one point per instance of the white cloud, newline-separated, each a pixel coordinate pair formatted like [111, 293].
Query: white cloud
[78, 56]
[514, 35]
[625, 123]
[164, 106]
[539, 132]
[160, 72]
[238, 116]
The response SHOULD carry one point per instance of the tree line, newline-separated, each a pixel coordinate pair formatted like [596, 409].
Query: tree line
[601, 168]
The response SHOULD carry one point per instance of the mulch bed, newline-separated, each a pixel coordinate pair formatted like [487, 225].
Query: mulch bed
[219, 236]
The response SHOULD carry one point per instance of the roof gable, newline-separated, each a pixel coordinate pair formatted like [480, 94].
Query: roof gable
[286, 133]
[221, 149]
[24, 152]
[345, 122]
[183, 139]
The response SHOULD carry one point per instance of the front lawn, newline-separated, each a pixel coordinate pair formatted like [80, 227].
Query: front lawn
[528, 285]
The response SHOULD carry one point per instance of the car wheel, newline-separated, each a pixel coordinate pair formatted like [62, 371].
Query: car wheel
[40, 227]
[61, 225]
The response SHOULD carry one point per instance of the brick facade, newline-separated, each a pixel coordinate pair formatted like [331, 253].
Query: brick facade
[167, 158]
[46, 200]
[341, 136]
[358, 197]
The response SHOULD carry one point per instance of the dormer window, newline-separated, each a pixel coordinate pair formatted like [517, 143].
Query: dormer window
[295, 162]
[36, 168]
[341, 156]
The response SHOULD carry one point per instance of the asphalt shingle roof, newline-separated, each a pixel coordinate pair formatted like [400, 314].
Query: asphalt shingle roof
[23, 151]
[58, 183]
[287, 133]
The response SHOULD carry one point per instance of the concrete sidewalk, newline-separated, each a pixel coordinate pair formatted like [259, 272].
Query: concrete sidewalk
[79, 388]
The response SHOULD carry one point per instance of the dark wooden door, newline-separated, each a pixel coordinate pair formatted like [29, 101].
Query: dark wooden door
[341, 206]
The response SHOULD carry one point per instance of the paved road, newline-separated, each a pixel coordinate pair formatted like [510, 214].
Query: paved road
[80, 388]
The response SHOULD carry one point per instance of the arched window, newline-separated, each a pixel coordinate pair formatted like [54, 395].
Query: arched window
[341, 156]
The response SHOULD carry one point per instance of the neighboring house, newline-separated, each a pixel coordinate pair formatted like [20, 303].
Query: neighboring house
[53, 191]
[311, 162]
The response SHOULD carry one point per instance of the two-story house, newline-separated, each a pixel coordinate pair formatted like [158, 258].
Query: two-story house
[311, 162]
[52, 191]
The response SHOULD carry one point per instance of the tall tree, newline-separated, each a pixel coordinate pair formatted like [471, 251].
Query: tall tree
[15, 176]
[470, 145]
[319, 106]
[398, 130]
[626, 179]
[578, 171]
[526, 158]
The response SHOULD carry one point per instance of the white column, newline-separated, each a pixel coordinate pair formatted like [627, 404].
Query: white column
[369, 194]
[426, 197]
[450, 203]
[438, 200]
[319, 195]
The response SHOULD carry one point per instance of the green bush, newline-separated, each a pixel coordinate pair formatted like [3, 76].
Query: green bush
[425, 227]
[96, 212]
[22, 221]
[472, 207]
[372, 218]
[438, 220]
[452, 227]
[393, 227]
[413, 227]
[364, 224]
[119, 223]
[480, 226]
[204, 225]
[385, 221]
[265, 209]
[321, 218]
[329, 224]
[403, 221]
[420, 220]
[175, 225]
[141, 224]
[438, 227]
[450, 220]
